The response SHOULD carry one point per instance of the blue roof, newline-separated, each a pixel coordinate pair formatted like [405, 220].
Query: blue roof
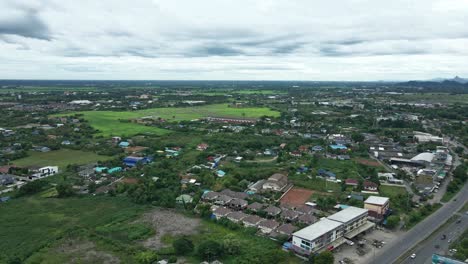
[115, 169]
[338, 147]
[220, 173]
[124, 144]
[100, 169]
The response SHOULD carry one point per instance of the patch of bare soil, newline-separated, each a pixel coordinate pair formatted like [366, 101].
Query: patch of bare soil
[168, 222]
[81, 251]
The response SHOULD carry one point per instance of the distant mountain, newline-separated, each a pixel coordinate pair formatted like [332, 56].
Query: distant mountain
[454, 85]
[455, 79]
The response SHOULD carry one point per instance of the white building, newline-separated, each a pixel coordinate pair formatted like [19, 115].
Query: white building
[332, 231]
[45, 171]
[316, 236]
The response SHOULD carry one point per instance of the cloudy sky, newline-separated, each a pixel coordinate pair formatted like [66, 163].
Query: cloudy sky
[237, 39]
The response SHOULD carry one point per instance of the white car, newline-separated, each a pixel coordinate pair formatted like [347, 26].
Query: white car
[413, 256]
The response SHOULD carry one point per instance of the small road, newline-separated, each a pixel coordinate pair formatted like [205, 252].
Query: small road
[436, 243]
[401, 245]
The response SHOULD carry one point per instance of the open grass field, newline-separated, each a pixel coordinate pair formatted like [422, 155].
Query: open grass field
[61, 158]
[391, 191]
[111, 123]
[30, 226]
[246, 92]
[104, 229]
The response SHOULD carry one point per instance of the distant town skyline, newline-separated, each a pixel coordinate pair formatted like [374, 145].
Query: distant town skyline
[352, 40]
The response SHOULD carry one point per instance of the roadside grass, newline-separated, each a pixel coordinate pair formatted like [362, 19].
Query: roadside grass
[110, 123]
[61, 158]
[416, 216]
[461, 245]
[448, 196]
[392, 191]
[32, 225]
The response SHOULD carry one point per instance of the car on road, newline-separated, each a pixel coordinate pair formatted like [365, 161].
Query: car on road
[413, 256]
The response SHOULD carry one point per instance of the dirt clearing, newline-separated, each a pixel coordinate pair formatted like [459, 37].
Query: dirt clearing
[168, 222]
[367, 162]
[296, 196]
[83, 251]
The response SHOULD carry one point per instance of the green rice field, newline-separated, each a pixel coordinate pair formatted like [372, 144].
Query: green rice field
[112, 123]
[61, 158]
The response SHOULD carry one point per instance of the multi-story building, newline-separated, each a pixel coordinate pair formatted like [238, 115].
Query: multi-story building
[332, 231]
[377, 206]
[316, 236]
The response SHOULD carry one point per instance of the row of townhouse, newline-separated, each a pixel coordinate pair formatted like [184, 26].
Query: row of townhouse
[268, 227]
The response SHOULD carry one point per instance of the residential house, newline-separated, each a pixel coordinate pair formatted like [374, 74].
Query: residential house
[272, 211]
[307, 219]
[124, 144]
[317, 148]
[184, 199]
[296, 153]
[220, 173]
[210, 196]
[277, 182]
[327, 174]
[286, 229]
[255, 207]
[7, 179]
[352, 182]
[221, 212]
[369, 186]
[238, 204]
[202, 147]
[132, 161]
[222, 199]
[252, 220]
[233, 194]
[338, 147]
[266, 226]
[236, 217]
[305, 209]
[289, 215]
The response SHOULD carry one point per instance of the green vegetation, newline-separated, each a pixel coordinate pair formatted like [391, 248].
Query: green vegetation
[461, 245]
[61, 158]
[32, 225]
[118, 123]
[392, 191]
[460, 177]
[444, 98]
[417, 215]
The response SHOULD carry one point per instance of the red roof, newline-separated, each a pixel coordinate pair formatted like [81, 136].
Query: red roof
[5, 169]
[351, 182]
[370, 185]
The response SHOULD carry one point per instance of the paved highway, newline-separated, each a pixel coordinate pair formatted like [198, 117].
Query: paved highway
[437, 243]
[401, 245]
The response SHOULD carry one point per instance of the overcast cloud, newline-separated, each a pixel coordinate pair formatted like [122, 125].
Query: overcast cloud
[241, 39]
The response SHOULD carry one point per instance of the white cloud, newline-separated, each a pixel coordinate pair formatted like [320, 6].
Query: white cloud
[244, 39]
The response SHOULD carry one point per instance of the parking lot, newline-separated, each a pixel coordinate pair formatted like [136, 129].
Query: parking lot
[365, 247]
